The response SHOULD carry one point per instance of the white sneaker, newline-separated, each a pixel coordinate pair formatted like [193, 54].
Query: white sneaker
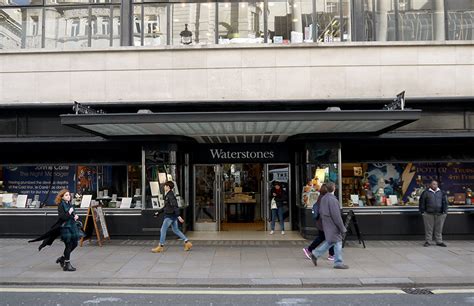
[271, 233]
[283, 232]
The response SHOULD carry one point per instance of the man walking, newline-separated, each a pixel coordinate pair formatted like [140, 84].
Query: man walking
[434, 209]
[330, 214]
[171, 211]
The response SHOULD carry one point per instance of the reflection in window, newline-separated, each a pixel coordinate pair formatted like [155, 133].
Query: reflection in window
[290, 21]
[155, 25]
[66, 27]
[241, 22]
[460, 19]
[115, 26]
[20, 28]
[328, 27]
[101, 28]
[137, 25]
[200, 18]
[416, 20]
[363, 25]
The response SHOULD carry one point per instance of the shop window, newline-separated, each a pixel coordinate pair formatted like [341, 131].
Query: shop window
[155, 25]
[200, 18]
[161, 166]
[37, 186]
[290, 21]
[401, 184]
[333, 21]
[416, 20]
[241, 22]
[460, 19]
[320, 166]
[314, 176]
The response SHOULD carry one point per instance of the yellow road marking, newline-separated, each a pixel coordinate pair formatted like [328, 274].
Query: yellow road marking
[454, 290]
[201, 292]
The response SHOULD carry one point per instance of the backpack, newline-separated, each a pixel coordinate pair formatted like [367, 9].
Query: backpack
[315, 211]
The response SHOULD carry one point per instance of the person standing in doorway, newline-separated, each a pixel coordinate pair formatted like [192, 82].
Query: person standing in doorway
[277, 203]
[171, 211]
[330, 214]
[434, 209]
[319, 225]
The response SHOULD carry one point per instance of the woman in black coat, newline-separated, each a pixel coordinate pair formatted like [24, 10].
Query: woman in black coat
[66, 227]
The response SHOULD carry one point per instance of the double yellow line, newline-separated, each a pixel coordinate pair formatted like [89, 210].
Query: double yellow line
[182, 291]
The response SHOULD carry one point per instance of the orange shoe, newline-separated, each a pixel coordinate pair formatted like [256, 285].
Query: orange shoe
[187, 246]
[158, 249]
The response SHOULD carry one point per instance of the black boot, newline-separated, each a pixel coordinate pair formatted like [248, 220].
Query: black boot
[68, 266]
[60, 261]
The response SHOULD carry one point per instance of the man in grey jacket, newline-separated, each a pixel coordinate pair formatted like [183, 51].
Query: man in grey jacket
[330, 214]
[434, 208]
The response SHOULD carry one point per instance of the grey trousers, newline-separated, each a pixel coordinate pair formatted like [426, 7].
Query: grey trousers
[434, 225]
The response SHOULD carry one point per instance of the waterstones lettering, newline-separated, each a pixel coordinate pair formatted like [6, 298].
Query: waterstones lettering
[221, 154]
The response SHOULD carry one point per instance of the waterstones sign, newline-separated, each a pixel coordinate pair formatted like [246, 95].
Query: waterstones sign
[242, 153]
[221, 154]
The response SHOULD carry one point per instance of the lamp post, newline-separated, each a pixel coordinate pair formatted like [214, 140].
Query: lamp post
[186, 36]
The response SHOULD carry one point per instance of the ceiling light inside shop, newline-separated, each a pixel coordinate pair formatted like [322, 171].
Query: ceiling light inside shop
[176, 20]
[295, 20]
[183, 4]
[226, 5]
[242, 4]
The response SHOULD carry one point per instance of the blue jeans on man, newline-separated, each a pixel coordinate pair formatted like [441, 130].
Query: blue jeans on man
[278, 211]
[174, 226]
[325, 246]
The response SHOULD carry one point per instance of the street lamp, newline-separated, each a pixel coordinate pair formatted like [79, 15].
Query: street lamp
[186, 36]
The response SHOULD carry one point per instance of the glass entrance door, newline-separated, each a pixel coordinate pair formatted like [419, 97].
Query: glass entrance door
[207, 197]
[277, 173]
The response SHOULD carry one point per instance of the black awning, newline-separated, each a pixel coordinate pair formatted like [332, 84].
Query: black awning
[273, 126]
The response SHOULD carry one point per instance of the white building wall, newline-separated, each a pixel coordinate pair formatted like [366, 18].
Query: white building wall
[345, 71]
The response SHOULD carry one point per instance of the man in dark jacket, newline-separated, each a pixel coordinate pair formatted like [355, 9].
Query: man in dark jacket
[434, 209]
[171, 211]
[330, 214]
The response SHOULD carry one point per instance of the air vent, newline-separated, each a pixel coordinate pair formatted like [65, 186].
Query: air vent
[417, 291]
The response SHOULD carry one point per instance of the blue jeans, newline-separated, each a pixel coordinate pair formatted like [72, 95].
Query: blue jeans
[174, 226]
[278, 211]
[324, 247]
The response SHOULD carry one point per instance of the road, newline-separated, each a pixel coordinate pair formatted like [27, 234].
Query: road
[188, 296]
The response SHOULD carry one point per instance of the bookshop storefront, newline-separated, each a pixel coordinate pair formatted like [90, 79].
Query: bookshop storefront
[226, 165]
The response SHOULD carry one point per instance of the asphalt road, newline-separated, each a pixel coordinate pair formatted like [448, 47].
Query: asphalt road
[187, 296]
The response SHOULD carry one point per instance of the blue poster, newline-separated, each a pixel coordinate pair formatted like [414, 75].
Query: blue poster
[37, 180]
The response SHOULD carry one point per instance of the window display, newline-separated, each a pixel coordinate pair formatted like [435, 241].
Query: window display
[36, 186]
[161, 166]
[401, 184]
[316, 176]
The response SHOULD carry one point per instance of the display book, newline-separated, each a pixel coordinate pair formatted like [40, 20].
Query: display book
[15, 200]
[157, 196]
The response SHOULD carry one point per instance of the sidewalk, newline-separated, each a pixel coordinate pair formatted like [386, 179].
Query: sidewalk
[238, 264]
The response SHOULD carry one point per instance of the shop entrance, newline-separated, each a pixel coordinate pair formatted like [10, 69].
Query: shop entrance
[236, 196]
